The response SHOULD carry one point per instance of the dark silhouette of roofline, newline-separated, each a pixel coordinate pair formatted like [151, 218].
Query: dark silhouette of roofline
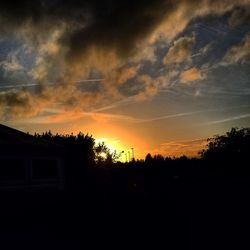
[17, 141]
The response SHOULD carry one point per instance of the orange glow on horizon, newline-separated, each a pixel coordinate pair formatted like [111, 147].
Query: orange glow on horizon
[117, 139]
[122, 136]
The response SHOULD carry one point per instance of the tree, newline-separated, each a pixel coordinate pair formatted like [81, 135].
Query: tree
[103, 155]
[158, 158]
[80, 146]
[234, 144]
[148, 158]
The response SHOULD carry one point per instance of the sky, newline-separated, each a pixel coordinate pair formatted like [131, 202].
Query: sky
[158, 76]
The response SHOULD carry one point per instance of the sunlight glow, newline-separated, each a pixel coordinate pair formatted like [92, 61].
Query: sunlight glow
[112, 144]
[103, 155]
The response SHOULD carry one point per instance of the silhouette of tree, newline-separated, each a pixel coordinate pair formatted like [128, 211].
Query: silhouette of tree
[103, 155]
[80, 145]
[234, 144]
[158, 158]
[148, 158]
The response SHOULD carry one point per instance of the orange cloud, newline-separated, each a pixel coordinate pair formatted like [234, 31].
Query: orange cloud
[179, 148]
[180, 51]
[73, 115]
[116, 78]
[192, 74]
[20, 104]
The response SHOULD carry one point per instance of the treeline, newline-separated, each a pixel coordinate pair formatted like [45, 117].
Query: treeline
[82, 147]
[234, 145]
[91, 165]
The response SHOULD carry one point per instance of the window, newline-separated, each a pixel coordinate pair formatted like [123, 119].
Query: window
[12, 169]
[44, 169]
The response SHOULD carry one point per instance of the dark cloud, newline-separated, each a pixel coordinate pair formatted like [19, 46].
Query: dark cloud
[18, 104]
[108, 23]
[238, 52]
[240, 15]
[121, 27]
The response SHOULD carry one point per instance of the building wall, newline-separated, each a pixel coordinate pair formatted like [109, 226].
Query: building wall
[31, 172]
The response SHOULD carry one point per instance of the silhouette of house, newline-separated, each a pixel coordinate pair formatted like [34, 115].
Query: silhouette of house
[29, 163]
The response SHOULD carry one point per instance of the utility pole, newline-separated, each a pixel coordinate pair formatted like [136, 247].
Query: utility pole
[128, 155]
[122, 154]
[133, 154]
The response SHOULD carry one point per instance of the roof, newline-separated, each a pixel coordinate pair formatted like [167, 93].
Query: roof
[13, 141]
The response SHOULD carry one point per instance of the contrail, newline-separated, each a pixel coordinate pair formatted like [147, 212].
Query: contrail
[90, 80]
[174, 115]
[69, 116]
[18, 85]
[164, 117]
[198, 112]
[124, 102]
[197, 54]
[233, 118]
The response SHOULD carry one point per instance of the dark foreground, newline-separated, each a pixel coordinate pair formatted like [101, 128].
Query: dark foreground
[210, 212]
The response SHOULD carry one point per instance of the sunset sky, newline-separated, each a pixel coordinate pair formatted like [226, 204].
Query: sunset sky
[158, 76]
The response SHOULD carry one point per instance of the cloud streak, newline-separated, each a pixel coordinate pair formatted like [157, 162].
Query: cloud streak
[229, 119]
[164, 117]
[179, 148]
[67, 116]
[19, 85]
